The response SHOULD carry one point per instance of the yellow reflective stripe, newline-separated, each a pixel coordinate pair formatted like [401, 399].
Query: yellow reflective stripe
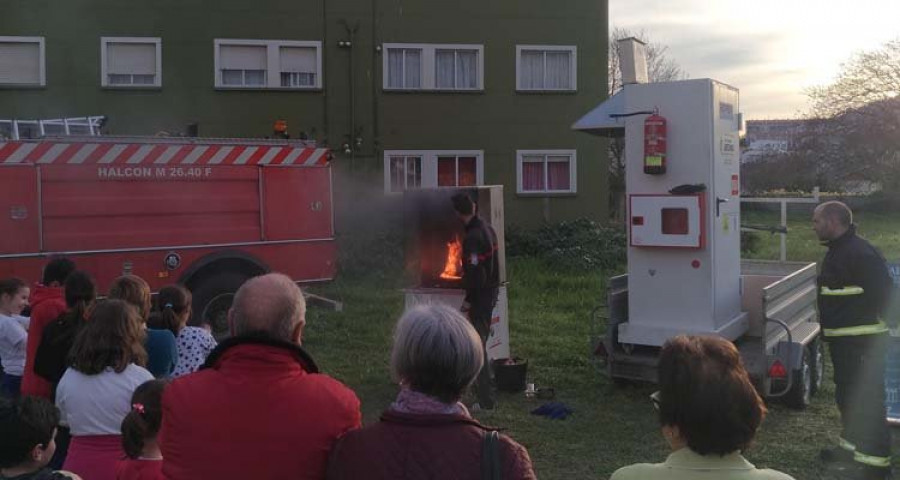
[846, 445]
[841, 292]
[872, 460]
[873, 329]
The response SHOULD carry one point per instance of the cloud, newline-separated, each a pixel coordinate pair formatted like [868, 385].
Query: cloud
[772, 50]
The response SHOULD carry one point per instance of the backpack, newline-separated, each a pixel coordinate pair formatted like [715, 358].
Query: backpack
[51, 359]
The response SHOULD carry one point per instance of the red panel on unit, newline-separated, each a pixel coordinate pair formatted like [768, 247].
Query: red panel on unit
[675, 221]
[19, 210]
[297, 203]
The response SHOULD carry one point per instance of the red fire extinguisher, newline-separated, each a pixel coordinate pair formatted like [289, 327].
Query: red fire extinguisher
[655, 145]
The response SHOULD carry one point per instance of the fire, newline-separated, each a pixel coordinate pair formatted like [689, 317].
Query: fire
[453, 266]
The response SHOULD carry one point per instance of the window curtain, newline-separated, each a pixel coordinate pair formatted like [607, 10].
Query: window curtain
[559, 70]
[558, 177]
[468, 171]
[413, 172]
[412, 67]
[397, 173]
[467, 69]
[444, 62]
[531, 69]
[395, 68]
[533, 174]
[446, 172]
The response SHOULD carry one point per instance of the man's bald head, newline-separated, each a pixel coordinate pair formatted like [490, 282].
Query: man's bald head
[831, 220]
[270, 304]
[837, 211]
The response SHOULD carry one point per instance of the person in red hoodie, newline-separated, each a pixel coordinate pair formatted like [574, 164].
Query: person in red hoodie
[258, 408]
[47, 302]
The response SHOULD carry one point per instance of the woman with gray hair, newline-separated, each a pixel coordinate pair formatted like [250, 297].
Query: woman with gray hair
[427, 432]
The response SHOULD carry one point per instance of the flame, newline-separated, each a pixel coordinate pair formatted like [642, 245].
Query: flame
[453, 265]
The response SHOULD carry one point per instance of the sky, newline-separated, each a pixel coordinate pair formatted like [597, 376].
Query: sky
[772, 50]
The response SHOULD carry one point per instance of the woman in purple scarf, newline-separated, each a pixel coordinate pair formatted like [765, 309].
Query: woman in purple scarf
[427, 432]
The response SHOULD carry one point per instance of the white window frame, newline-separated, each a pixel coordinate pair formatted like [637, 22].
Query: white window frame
[427, 62]
[547, 48]
[104, 52]
[430, 165]
[273, 62]
[43, 60]
[573, 172]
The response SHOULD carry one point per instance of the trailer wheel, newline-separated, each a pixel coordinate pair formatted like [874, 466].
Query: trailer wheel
[212, 300]
[800, 394]
[817, 348]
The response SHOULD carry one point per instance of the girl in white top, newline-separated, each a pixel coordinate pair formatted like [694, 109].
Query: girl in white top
[173, 313]
[94, 394]
[13, 334]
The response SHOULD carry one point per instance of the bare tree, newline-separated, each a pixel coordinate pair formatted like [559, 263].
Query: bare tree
[855, 121]
[660, 68]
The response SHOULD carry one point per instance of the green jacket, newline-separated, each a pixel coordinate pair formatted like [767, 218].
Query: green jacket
[684, 464]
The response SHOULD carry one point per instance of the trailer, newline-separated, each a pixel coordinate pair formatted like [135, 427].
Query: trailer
[685, 274]
[781, 350]
[206, 213]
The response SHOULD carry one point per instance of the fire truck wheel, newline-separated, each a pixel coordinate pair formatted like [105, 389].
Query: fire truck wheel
[212, 299]
[800, 394]
[817, 349]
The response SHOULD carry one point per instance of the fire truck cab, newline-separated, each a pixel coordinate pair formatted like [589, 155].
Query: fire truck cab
[206, 213]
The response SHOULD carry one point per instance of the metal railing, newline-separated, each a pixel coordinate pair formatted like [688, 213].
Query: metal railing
[14, 129]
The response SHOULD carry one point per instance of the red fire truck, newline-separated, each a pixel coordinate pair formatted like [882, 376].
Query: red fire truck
[206, 213]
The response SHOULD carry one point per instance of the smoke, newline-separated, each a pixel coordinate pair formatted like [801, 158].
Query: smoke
[368, 225]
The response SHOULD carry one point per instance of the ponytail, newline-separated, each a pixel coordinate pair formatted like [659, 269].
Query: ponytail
[172, 302]
[145, 417]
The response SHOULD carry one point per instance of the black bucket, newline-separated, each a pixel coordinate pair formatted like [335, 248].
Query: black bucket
[510, 376]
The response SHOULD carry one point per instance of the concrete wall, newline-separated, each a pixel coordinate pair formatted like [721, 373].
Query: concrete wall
[498, 120]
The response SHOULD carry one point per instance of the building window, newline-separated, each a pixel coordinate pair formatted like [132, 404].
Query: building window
[404, 69]
[130, 62]
[546, 171]
[268, 64]
[405, 169]
[546, 68]
[457, 171]
[433, 67]
[405, 172]
[22, 61]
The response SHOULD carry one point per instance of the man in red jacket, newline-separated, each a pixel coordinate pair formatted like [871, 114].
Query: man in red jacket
[47, 302]
[258, 408]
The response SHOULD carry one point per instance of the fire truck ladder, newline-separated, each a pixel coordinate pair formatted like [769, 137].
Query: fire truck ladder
[19, 129]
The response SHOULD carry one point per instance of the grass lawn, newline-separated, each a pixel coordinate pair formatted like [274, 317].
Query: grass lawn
[551, 326]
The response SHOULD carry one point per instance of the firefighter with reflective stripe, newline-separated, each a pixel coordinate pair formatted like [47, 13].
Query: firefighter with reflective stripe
[481, 279]
[854, 290]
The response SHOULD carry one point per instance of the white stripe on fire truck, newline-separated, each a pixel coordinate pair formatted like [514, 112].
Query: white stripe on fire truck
[220, 155]
[243, 157]
[140, 154]
[167, 155]
[113, 152]
[195, 154]
[50, 155]
[315, 157]
[83, 153]
[21, 153]
[289, 160]
[270, 155]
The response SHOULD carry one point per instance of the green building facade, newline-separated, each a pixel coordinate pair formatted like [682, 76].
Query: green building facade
[406, 93]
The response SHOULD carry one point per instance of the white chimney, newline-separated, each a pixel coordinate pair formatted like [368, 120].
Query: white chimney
[633, 61]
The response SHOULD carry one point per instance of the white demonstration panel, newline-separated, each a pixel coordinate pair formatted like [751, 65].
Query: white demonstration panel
[498, 341]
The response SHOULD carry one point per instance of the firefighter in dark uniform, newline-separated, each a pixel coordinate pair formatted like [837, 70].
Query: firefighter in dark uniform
[854, 290]
[481, 279]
